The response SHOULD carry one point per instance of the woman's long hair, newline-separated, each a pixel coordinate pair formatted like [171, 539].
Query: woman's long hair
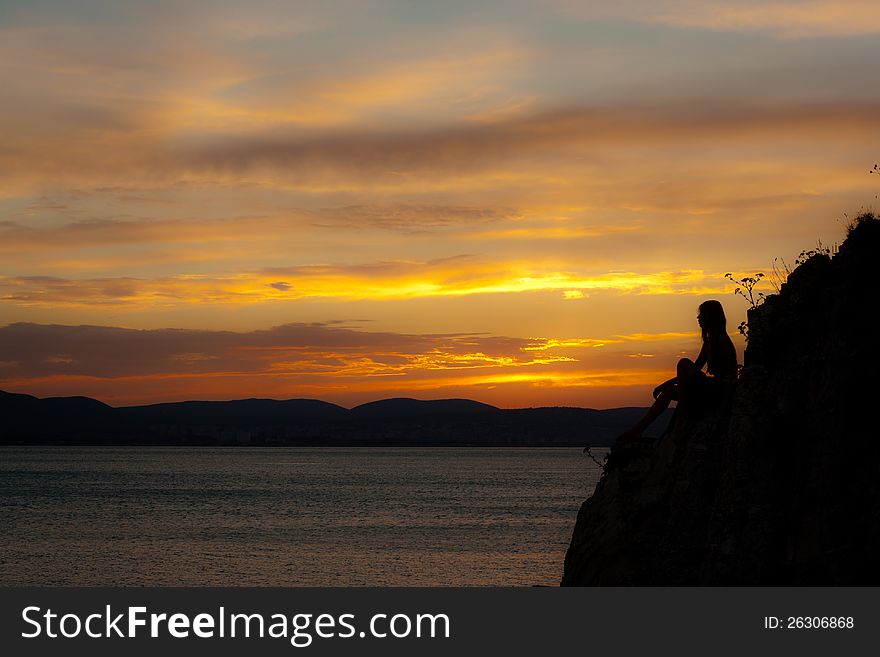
[712, 319]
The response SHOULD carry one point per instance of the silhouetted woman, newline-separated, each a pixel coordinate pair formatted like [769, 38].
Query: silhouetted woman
[718, 355]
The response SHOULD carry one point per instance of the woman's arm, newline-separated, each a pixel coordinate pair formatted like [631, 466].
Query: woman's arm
[659, 389]
[699, 364]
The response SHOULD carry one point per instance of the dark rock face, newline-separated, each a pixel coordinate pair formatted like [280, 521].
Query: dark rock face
[775, 483]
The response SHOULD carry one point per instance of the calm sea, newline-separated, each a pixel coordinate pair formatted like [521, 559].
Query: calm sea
[288, 516]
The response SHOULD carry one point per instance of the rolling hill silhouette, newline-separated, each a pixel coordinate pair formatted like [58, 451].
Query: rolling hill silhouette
[27, 420]
[400, 408]
[240, 411]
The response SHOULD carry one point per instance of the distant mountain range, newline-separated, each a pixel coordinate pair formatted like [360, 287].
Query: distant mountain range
[27, 420]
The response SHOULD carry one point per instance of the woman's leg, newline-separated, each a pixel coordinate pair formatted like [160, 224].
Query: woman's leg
[660, 404]
[684, 373]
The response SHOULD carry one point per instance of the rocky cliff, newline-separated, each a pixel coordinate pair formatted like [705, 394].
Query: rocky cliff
[775, 483]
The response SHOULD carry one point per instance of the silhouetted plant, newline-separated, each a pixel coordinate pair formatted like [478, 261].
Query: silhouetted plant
[781, 272]
[602, 466]
[865, 217]
[745, 287]
[820, 249]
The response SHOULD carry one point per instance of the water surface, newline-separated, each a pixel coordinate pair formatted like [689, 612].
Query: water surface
[288, 516]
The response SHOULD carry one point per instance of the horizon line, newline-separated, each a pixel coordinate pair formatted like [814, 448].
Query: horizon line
[348, 408]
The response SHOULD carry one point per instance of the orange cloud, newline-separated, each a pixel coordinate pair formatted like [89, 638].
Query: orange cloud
[779, 18]
[125, 365]
[349, 158]
[449, 277]
[791, 19]
[469, 148]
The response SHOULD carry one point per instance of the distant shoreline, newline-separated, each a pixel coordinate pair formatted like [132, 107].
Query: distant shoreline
[399, 422]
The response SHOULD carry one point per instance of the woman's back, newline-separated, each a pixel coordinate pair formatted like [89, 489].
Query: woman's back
[721, 360]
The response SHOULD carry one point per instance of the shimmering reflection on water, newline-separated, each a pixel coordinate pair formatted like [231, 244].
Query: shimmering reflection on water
[288, 516]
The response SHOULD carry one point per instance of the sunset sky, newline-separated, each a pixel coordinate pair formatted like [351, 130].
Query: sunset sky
[517, 202]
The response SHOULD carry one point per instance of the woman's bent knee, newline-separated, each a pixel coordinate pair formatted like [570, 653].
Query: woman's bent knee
[685, 367]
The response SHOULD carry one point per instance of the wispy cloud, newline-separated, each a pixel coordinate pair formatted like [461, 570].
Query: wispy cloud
[777, 18]
[448, 277]
[408, 217]
[338, 358]
[791, 19]
[475, 147]
[404, 159]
